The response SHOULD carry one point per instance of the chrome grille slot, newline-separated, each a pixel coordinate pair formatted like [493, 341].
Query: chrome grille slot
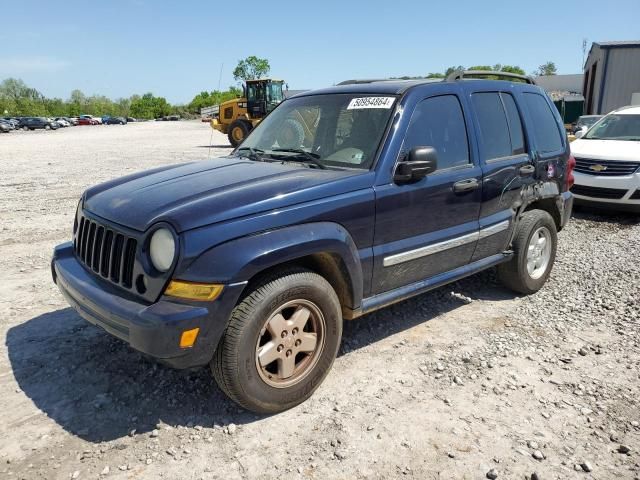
[106, 251]
[606, 168]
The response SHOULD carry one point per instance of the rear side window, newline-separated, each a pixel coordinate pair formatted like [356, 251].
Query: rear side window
[438, 122]
[545, 128]
[500, 125]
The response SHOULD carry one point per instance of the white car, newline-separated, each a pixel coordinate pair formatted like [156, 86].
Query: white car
[607, 171]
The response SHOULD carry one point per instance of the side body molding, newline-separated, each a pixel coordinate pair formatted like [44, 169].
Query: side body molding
[239, 260]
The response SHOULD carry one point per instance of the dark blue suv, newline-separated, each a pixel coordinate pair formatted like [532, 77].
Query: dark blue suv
[340, 202]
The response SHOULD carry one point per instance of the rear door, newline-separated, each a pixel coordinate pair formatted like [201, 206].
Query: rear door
[507, 164]
[430, 226]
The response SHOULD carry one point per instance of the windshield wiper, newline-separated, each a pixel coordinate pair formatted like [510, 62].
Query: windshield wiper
[254, 153]
[300, 154]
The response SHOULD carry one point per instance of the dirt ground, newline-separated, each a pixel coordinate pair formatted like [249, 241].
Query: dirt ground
[468, 381]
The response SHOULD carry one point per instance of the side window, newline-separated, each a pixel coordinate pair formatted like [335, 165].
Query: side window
[545, 128]
[438, 122]
[493, 125]
[515, 124]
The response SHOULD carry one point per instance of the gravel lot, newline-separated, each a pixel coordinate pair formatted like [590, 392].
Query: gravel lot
[468, 381]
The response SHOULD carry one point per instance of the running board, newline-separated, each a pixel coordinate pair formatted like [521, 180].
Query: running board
[385, 299]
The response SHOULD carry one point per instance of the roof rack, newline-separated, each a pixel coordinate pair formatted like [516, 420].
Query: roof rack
[360, 81]
[475, 74]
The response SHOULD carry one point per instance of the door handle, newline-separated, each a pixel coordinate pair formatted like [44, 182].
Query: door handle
[466, 185]
[526, 170]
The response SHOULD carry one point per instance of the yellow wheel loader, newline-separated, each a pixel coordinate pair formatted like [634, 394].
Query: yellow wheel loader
[239, 116]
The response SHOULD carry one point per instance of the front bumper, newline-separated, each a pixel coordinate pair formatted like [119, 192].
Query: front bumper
[614, 192]
[151, 328]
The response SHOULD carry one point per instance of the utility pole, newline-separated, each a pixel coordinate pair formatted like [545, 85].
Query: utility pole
[584, 52]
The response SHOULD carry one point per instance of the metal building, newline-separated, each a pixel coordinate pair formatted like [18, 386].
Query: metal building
[611, 76]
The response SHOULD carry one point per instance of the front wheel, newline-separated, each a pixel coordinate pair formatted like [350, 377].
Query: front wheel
[238, 131]
[534, 248]
[280, 342]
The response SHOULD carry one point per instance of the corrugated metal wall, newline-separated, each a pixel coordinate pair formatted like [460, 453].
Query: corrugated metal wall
[623, 78]
[592, 78]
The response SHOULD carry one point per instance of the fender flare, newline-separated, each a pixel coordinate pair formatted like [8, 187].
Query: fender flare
[241, 259]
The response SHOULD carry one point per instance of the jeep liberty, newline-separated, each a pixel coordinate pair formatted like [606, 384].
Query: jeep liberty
[340, 202]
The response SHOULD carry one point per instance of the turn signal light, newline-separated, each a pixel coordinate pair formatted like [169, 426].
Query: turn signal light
[188, 337]
[194, 291]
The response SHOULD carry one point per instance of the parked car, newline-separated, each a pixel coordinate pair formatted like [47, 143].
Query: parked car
[5, 127]
[34, 123]
[91, 120]
[131, 119]
[11, 121]
[9, 125]
[608, 162]
[585, 122]
[62, 122]
[87, 120]
[73, 120]
[115, 121]
[250, 262]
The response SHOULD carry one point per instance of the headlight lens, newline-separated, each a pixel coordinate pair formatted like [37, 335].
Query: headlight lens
[162, 249]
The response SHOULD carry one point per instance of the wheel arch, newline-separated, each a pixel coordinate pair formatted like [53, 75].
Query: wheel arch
[325, 248]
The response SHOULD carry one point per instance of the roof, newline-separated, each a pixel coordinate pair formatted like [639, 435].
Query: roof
[561, 83]
[630, 110]
[623, 43]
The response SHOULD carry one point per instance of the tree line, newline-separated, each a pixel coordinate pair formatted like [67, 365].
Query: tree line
[19, 100]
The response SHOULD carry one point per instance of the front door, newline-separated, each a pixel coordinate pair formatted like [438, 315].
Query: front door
[430, 226]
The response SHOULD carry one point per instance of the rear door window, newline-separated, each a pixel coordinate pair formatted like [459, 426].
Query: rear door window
[500, 125]
[545, 128]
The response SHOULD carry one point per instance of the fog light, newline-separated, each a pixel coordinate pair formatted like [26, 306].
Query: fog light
[194, 291]
[188, 337]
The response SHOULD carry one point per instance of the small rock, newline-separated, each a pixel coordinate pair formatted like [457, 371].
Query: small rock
[231, 428]
[457, 380]
[122, 467]
[535, 476]
[148, 461]
[538, 455]
[132, 432]
[75, 474]
[155, 433]
[623, 449]
[586, 466]
[340, 454]
[440, 367]
[451, 455]
[586, 411]
[583, 351]
[105, 470]
[614, 437]
[492, 474]
[533, 445]
[369, 428]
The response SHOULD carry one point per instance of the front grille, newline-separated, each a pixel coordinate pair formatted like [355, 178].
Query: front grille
[106, 251]
[598, 192]
[636, 195]
[605, 168]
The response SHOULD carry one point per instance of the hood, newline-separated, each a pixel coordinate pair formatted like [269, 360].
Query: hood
[606, 149]
[201, 193]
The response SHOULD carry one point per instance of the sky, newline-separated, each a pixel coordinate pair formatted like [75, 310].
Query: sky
[179, 48]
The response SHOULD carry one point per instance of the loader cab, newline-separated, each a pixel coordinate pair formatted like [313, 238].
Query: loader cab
[263, 96]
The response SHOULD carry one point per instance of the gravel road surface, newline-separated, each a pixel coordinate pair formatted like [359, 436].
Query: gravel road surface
[466, 382]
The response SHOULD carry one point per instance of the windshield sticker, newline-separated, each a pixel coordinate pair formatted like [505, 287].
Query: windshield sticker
[370, 102]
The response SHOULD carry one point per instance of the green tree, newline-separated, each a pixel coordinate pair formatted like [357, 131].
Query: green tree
[548, 68]
[251, 68]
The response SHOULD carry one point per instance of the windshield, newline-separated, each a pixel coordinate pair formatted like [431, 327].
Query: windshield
[616, 127]
[588, 121]
[339, 130]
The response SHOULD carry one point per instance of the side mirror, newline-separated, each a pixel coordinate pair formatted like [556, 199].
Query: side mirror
[418, 163]
[581, 132]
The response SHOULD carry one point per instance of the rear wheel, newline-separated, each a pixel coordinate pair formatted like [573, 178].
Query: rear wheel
[534, 248]
[47, 127]
[238, 131]
[280, 342]
[25, 128]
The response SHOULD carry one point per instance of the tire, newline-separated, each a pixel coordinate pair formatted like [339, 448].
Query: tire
[291, 135]
[236, 365]
[47, 127]
[238, 131]
[25, 128]
[517, 273]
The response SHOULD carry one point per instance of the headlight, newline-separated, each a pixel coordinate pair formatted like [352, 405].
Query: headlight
[162, 249]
